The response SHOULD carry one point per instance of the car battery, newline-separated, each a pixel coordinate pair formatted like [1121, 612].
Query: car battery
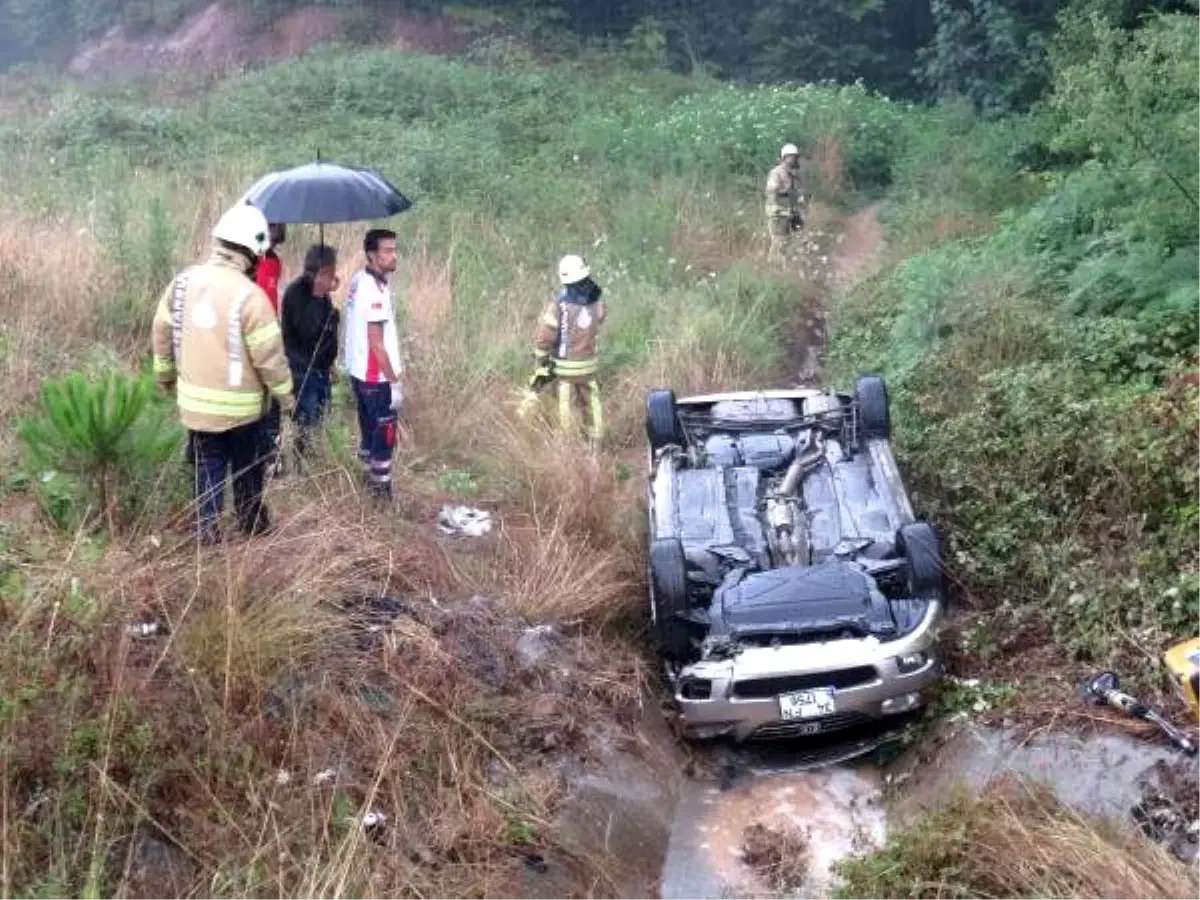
[1183, 662]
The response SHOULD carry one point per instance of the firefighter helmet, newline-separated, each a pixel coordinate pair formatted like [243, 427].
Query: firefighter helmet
[572, 269]
[244, 226]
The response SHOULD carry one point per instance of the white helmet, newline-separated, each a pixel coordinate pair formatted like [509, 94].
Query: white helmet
[245, 226]
[789, 150]
[572, 268]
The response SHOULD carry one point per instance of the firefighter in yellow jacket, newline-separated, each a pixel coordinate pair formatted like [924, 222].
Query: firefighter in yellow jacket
[218, 345]
[565, 346]
[784, 207]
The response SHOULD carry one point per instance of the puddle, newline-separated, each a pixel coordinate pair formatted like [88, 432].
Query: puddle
[836, 808]
[834, 811]
[1097, 774]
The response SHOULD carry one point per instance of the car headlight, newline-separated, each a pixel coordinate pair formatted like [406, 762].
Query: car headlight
[695, 688]
[907, 663]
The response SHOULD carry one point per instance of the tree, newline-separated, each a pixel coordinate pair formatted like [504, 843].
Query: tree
[981, 51]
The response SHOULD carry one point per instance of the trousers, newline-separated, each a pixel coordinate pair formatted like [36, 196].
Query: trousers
[377, 434]
[242, 451]
[580, 408]
[313, 395]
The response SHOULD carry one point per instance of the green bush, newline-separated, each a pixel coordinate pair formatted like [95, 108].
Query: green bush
[97, 447]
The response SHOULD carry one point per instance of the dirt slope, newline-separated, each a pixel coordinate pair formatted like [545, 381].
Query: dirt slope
[219, 40]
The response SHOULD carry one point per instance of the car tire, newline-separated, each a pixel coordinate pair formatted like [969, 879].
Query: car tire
[669, 598]
[918, 544]
[662, 420]
[874, 413]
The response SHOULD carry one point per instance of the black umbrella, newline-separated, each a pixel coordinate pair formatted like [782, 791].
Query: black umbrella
[323, 193]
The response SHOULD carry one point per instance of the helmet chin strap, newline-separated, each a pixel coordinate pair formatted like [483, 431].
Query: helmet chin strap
[249, 259]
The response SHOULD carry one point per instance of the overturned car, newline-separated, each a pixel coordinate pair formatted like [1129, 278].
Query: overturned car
[791, 590]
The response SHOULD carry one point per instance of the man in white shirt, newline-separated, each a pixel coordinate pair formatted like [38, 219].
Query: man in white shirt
[373, 359]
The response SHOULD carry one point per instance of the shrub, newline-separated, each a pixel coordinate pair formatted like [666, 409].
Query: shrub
[108, 435]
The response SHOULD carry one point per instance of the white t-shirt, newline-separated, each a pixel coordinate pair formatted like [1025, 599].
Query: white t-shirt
[369, 300]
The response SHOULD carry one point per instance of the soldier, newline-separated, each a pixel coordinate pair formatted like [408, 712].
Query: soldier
[784, 203]
[217, 345]
[565, 347]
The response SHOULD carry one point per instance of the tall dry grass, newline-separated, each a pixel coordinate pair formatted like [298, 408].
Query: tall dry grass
[1016, 839]
[209, 738]
[53, 287]
[264, 681]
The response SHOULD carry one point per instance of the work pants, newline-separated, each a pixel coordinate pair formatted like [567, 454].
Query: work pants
[242, 450]
[580, 409]
[780, 228]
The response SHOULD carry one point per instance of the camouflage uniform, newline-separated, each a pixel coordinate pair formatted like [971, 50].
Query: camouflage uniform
[566, 333]
[784, 203]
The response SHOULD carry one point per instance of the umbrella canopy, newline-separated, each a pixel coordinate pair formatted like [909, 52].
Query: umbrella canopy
[321, 193]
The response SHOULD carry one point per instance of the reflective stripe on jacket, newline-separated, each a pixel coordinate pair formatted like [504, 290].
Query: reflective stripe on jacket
[568, 332]
[216, 338]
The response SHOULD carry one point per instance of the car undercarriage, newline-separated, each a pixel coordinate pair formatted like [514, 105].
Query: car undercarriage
[785, 564]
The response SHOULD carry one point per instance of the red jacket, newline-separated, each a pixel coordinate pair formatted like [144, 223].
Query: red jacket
[269, 272]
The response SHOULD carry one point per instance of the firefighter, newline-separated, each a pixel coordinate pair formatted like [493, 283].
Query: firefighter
[784, 203]
[565, 347]
[218, 346]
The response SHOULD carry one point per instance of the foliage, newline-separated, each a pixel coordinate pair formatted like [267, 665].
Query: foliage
[980, 51]
[107, 435]
[1039, 359]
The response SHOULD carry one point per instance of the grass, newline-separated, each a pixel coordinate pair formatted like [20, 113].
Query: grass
[233, 752]
[240, 748]
[1014, 840]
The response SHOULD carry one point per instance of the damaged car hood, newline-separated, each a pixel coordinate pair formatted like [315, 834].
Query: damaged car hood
[831, 597]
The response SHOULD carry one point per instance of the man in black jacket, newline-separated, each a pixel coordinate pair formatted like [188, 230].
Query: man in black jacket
[310, 334]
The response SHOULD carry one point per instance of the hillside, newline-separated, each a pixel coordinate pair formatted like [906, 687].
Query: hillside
[1027, 282]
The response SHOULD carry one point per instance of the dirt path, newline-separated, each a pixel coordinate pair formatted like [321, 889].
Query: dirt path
[840, 259]
[858, 250]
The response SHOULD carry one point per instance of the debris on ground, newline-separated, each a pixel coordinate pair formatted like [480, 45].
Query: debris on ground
[146, 629]
[1169, 811]
[373, 823]
[778, 856]
[464, 520]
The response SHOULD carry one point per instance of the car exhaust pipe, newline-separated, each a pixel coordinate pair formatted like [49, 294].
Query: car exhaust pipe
[810, 449]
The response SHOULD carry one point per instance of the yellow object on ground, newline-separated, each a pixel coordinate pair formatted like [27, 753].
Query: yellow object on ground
[1183, 662]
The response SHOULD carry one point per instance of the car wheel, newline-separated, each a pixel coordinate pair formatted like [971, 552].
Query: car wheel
[662, 420]
[874, 415]
[669, 598]
[919, 545]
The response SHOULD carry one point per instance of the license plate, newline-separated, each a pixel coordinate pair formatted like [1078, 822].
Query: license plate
[807, 704]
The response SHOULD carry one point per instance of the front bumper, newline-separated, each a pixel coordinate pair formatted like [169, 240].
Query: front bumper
[872, 688]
